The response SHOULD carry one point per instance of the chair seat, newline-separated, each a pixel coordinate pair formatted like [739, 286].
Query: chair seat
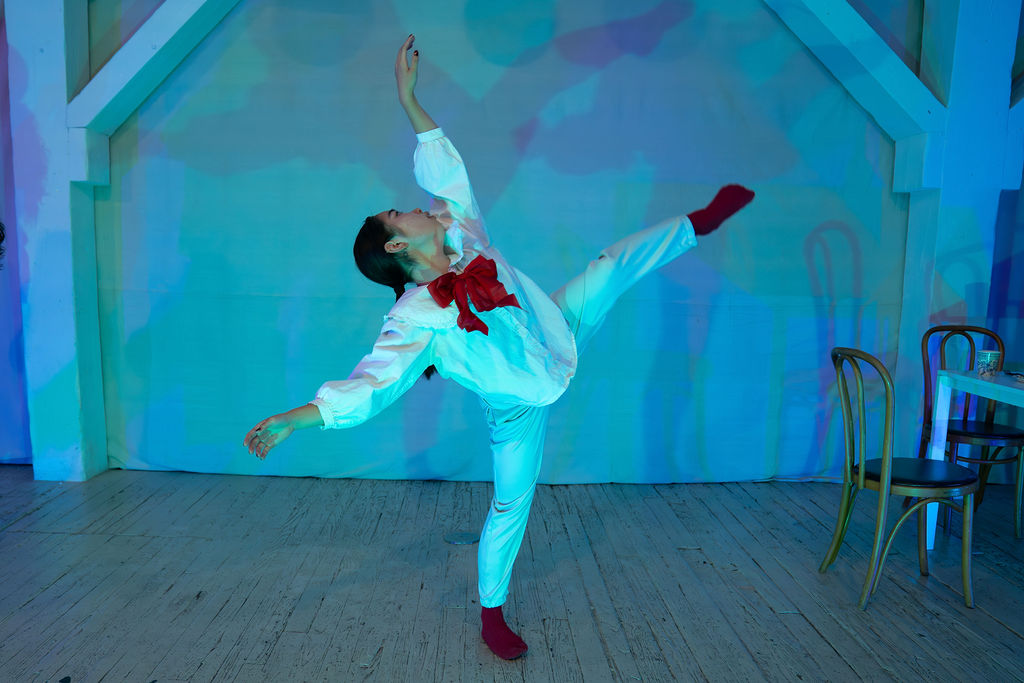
[921, 472]
[968, 428]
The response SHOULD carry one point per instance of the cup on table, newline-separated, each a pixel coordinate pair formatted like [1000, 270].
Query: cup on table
[987, 362]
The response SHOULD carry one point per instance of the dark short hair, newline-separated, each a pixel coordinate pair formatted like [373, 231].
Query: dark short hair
[3, 234]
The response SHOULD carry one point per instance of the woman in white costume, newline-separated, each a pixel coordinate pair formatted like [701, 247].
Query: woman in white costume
[476, 320]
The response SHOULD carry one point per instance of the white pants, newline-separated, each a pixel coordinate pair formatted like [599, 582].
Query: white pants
[517, 433]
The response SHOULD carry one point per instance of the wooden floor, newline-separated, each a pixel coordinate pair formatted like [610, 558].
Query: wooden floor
[143, 576]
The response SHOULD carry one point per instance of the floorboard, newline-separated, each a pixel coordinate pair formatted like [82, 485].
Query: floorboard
[166, 576]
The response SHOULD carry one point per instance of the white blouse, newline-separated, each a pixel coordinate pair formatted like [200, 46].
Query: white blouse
[528, 355]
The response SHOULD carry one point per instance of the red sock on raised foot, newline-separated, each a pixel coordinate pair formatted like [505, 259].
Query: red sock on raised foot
[498, 636]
[728, 201]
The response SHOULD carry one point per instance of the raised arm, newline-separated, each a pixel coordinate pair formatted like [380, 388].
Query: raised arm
[406, 72]
[436, 163]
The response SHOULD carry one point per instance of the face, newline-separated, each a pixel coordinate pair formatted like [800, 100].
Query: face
[416, 228]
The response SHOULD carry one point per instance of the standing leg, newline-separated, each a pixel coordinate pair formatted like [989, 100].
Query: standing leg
[517, 444]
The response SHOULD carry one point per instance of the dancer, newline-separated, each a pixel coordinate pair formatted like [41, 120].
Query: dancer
[483, 324]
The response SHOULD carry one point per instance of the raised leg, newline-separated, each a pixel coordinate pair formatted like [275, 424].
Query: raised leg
[586, 299]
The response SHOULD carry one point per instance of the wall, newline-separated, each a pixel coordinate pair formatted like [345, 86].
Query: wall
[14, 441]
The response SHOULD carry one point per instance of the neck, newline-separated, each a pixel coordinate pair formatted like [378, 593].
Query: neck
[429, 266]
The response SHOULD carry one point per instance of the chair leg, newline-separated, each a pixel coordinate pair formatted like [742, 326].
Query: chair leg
[965, 549]
[845, 508]
[922, 452]
[1020, 487]
[926, 437]
[922, 539]
[947, 512]
[983, 470]
[875, 563]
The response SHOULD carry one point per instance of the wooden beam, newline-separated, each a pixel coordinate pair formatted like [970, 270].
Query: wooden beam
[918, 162]
[76, 44]
[869, 70]
[88, 157]
[57, 250]
[143, 62]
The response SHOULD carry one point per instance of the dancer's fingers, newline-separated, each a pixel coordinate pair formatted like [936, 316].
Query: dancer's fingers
[400, 60]
[251, 435]
[268, 434]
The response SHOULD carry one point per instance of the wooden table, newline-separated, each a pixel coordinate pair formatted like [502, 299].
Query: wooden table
[1002, 388]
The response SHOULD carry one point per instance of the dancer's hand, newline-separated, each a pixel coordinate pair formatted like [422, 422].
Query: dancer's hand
[267, 434]
[406, 70]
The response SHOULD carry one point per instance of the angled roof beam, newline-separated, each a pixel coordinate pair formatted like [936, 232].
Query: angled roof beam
[143, 62]
[869, 70]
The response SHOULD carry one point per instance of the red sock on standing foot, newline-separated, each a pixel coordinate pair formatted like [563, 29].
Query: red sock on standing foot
[728, 201]
[498, 636]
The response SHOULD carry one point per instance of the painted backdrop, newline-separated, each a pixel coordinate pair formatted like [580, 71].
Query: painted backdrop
[228, 291]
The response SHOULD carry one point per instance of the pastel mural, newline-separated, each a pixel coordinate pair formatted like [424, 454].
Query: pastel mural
[227, 289]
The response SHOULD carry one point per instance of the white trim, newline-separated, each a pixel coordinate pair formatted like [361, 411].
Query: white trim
[143, 62]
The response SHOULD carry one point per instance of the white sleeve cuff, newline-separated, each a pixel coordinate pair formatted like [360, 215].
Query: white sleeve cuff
[325, 413]
[429, 135]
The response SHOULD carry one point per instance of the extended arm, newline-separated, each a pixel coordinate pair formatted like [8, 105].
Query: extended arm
[399, 357]
[406, 72]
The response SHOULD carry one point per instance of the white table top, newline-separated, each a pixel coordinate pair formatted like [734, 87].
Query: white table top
[1001, 387]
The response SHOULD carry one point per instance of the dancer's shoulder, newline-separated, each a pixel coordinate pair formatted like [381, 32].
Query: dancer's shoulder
[417, 307]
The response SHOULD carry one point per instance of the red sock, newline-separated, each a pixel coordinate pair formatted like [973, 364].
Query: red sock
[498, 636]
[728, 201]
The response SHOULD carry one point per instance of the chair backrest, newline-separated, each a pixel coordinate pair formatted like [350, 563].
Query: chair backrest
[848, 363]
[940, 337]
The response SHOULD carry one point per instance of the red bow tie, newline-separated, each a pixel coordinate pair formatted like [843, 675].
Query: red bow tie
[479, 282]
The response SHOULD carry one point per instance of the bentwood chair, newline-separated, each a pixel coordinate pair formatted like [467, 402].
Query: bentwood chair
[956, 346]
[926, 481]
